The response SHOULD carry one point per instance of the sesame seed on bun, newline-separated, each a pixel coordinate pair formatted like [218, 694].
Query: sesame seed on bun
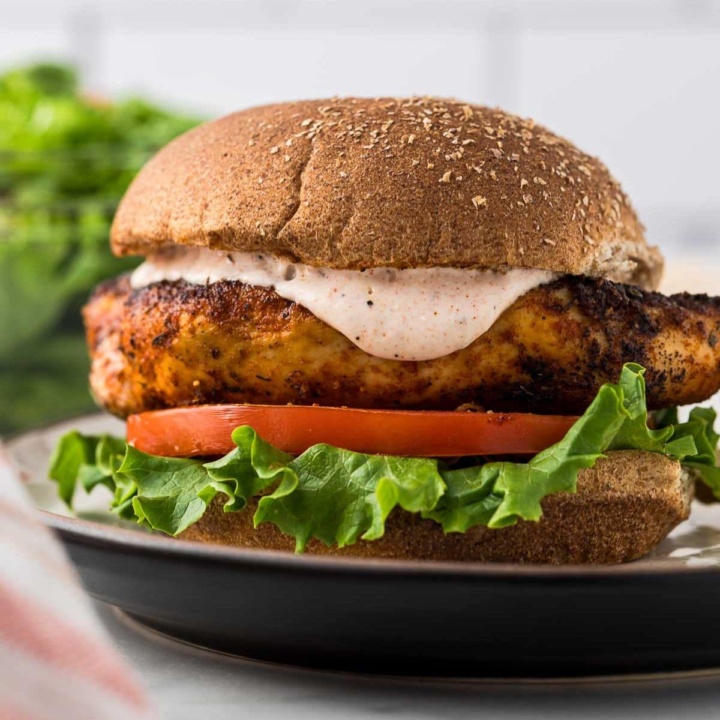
[354, 183]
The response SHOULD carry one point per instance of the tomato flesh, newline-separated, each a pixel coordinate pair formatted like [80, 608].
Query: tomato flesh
[205, 430]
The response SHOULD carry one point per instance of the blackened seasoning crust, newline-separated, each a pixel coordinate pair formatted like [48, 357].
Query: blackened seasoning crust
[174, 344]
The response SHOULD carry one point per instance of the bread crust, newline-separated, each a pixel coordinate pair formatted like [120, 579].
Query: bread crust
[623, 508]
[354, 183]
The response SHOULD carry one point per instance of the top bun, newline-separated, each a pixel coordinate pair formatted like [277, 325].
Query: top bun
[354, 183]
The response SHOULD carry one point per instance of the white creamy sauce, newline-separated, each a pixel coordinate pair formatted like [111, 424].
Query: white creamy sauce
[417, 314]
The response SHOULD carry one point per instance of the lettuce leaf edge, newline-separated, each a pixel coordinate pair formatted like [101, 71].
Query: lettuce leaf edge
[339, 496]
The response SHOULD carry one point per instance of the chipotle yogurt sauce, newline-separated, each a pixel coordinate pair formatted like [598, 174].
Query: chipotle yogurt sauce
[415, 314]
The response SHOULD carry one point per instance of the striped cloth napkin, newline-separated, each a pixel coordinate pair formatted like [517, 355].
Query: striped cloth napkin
[56, 661]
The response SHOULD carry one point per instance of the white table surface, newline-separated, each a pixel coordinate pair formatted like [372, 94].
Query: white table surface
[192, 684]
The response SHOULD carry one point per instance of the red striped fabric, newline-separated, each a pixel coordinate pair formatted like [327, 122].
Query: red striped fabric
[56, 661]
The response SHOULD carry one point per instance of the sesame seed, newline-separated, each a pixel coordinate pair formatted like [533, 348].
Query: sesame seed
[539, 181]
[479, 201]
[548, 241]
[274, 149]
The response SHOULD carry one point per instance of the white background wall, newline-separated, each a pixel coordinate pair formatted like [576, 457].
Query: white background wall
[636, 82]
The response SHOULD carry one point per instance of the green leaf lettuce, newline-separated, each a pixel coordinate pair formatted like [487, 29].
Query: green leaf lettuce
[65, 161]
[338, 496]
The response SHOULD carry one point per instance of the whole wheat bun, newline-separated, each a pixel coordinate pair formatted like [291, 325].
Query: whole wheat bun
[623, 508]
[355, 183]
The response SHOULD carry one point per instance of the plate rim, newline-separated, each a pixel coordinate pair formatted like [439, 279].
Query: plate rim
[640, 679]
[89, 532]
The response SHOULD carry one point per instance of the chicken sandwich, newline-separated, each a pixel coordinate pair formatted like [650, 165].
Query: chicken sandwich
[407, 328]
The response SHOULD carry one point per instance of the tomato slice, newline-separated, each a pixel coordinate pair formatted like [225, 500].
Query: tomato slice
[206, 429]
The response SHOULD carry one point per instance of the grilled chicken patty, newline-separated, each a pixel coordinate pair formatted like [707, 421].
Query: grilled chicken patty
[173, 344]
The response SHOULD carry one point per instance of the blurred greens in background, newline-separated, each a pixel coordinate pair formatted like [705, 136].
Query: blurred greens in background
[65, 161]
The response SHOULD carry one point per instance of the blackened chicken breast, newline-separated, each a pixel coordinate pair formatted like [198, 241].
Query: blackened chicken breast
[174, 344]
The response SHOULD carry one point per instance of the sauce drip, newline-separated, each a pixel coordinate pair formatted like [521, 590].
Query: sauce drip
[414, 314]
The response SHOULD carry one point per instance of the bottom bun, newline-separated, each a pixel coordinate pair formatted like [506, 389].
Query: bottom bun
[623, 508]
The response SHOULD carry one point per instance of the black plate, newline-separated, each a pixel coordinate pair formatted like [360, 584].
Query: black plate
[407, 618]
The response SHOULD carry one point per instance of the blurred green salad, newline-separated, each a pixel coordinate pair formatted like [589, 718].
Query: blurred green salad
[65, 160]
